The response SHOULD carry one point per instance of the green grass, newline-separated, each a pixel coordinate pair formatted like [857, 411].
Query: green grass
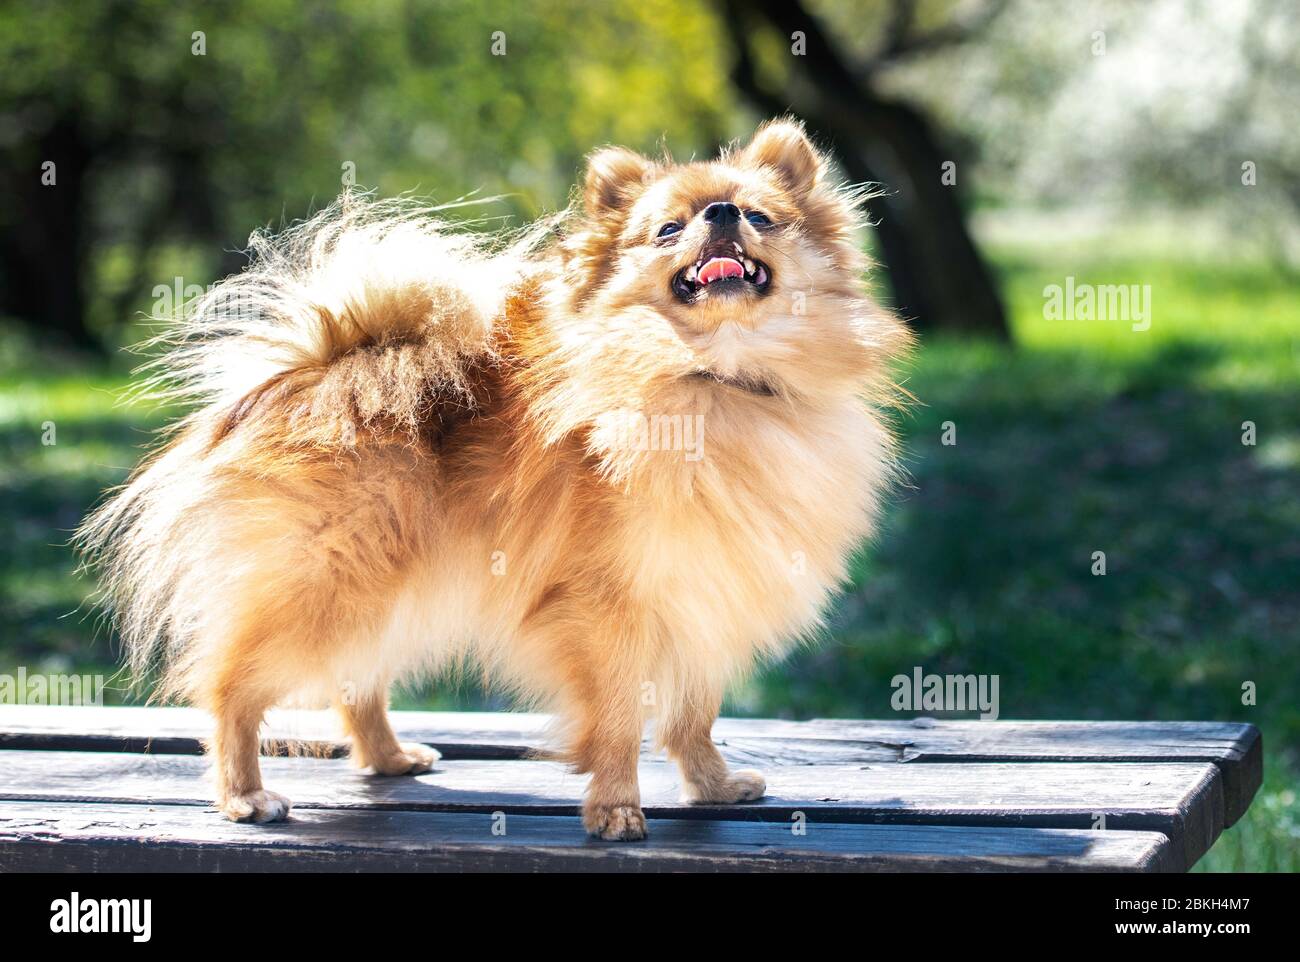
[1087, 436]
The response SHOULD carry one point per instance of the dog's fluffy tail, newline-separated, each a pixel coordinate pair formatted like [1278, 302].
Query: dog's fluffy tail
[378, 299]
[351, 323]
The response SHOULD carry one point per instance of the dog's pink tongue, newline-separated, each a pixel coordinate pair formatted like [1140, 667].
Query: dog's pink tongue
[720, 268]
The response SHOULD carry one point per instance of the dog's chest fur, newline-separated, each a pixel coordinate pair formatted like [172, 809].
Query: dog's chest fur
[739, 552]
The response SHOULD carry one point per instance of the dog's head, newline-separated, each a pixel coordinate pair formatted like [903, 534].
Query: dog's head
[744, 272]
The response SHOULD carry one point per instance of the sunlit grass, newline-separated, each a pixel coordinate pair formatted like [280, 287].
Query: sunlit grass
[1254, 308]
[29, 398]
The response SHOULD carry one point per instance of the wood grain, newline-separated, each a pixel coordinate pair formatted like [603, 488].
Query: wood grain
[1183, 801]
[1234, 748]
[45, 836]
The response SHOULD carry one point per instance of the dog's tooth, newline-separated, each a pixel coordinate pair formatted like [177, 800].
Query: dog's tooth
[739, 250]
[749, 266]
[690, 273]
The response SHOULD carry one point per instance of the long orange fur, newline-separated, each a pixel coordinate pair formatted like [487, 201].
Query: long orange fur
[408, 451]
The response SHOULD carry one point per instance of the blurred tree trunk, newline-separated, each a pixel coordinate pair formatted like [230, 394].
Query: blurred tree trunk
[939, 279]
[42, 248]
[45, 243]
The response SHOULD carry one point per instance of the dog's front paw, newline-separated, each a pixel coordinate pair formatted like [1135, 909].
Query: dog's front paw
[744, 785]
[411, 760]
[258, 806]
[615, 823]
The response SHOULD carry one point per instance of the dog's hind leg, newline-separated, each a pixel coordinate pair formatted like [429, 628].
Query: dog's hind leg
[686, 732]
[375, 745]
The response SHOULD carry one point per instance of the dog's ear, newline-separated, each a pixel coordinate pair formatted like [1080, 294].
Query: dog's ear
[615, 178]
[783, 147]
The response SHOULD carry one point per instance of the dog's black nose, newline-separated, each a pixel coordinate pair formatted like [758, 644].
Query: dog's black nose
[722, 214]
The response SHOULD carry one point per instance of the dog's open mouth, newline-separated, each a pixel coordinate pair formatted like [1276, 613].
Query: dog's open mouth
[722, 267]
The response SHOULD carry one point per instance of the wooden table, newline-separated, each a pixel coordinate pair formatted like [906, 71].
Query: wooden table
[99, 789]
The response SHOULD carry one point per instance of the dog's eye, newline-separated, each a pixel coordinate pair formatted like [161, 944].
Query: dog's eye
[758, 218]
[670, 228]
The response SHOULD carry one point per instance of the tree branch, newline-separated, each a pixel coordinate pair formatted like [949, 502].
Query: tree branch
[900, 42]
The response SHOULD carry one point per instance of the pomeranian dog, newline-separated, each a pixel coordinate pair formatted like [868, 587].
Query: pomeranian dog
[614, 464]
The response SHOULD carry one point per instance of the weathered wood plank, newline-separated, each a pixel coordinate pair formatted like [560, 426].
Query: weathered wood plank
[45, 836]
[1183, 801]
[1234, 748]
[180, 731]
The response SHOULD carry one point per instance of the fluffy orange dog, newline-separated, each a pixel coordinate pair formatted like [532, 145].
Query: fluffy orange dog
[614, 468]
